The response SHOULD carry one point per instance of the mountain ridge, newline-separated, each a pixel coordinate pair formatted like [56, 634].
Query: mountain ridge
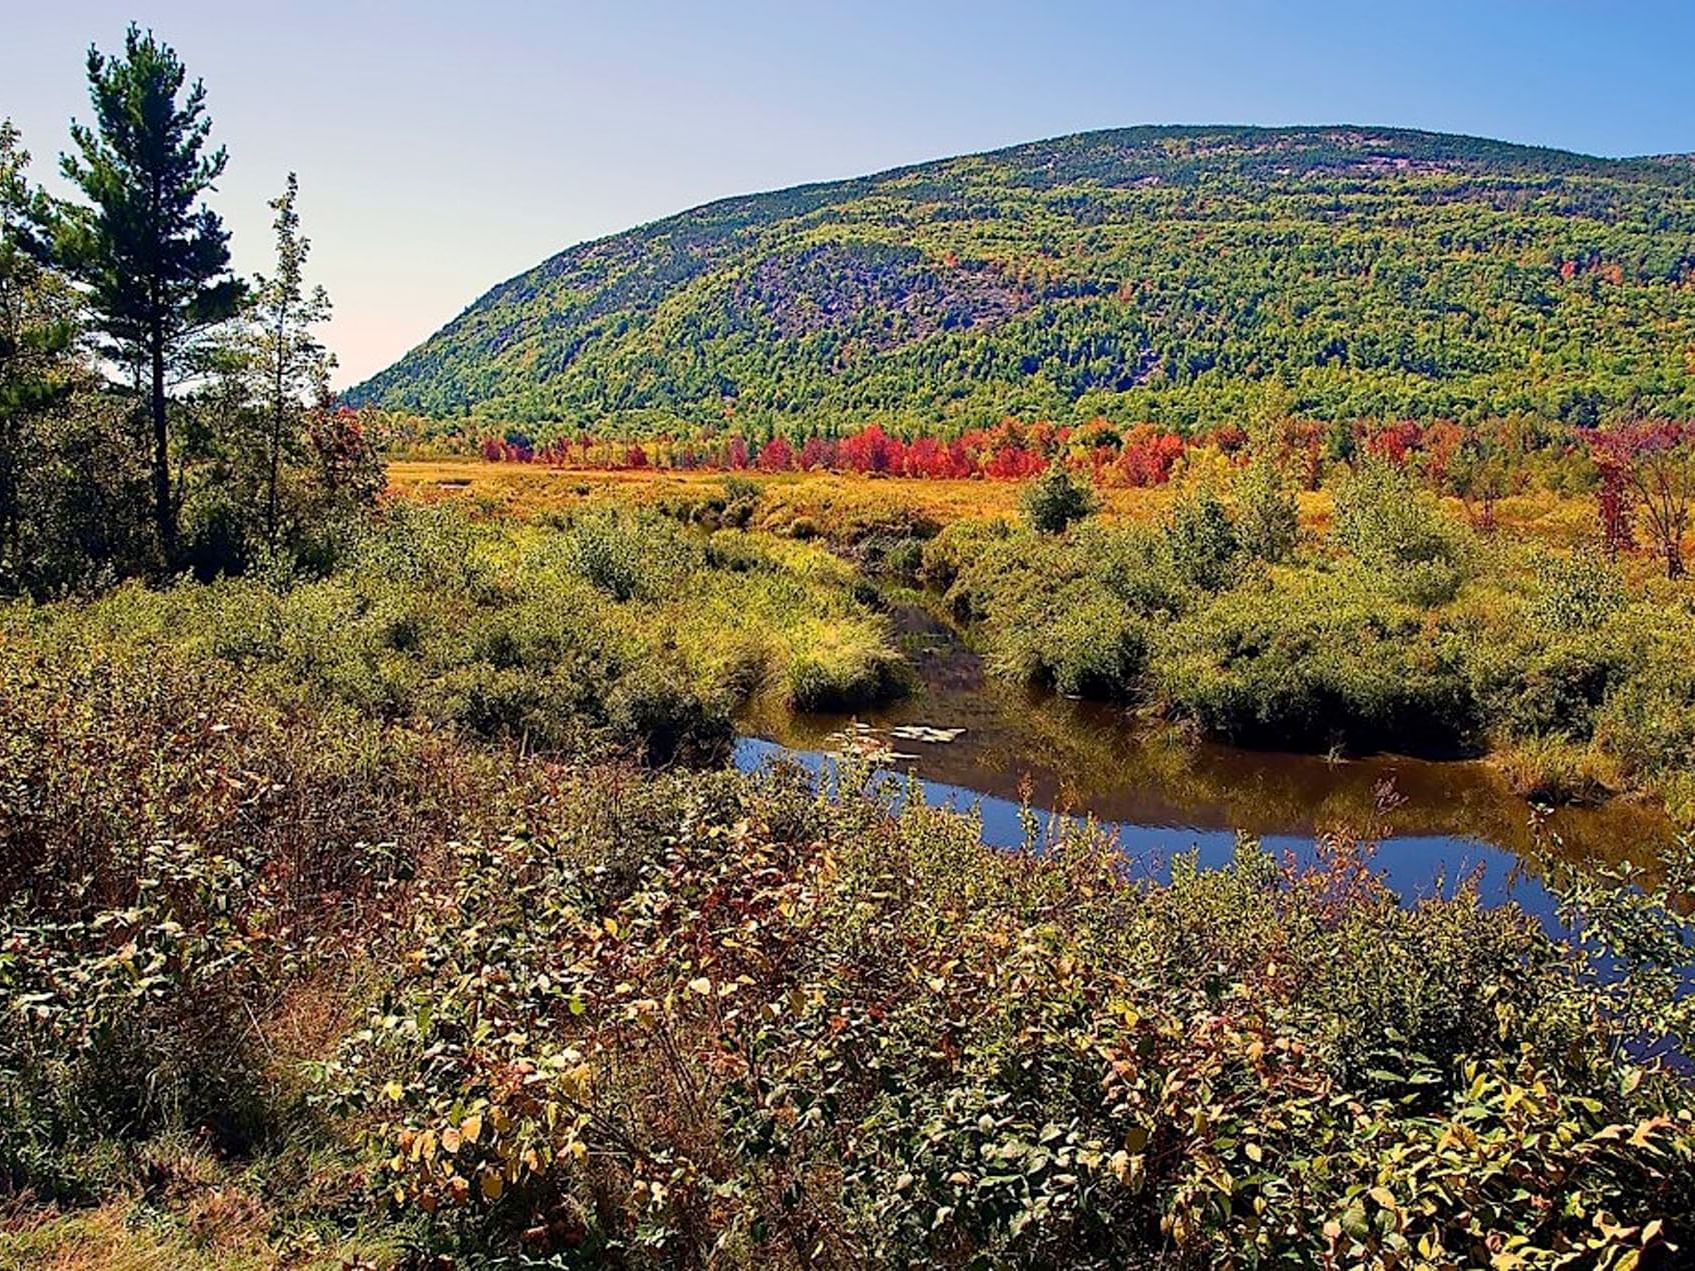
[767, 306]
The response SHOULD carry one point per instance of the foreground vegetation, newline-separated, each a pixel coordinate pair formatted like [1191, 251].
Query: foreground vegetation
[303, 983]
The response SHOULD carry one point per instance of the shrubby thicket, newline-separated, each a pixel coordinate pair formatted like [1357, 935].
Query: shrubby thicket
[1401, 628]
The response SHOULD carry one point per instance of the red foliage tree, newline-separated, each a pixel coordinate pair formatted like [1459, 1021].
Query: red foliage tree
[926, 457]
[349, 464]
[1647, 467]
[960, 463]
[1441, 441]
[871, 450]
[817, 453]
[1229, 439]
[1148, 456]
[1615, 509]
[1013, 463]
[507, 450]
[776, 455]
[1396, 441]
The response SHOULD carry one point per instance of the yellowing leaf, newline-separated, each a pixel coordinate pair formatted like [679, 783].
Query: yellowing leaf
[491, 1184]
[1643, 1134]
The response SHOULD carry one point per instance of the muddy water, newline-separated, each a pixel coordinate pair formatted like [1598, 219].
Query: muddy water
[1161, 794]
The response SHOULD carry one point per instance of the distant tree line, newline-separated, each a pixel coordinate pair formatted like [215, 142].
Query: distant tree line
[1641, 472]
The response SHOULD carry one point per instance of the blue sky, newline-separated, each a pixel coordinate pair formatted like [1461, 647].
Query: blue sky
[442, 148]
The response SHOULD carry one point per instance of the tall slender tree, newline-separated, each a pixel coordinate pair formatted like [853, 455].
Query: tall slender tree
[294, 366]
[151, 257]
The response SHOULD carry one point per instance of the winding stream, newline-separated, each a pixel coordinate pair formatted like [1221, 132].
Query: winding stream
[1160, 795]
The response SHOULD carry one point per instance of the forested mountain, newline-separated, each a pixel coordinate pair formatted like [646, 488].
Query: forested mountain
[1166, 274]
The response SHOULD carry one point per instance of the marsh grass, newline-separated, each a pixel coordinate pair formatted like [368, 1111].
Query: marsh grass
[606, 631]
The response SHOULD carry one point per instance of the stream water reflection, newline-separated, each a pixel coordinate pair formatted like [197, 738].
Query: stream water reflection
[1161, 795]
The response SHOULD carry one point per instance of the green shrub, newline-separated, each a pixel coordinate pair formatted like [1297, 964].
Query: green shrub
[1267, 514]
[1554, 686]
[510, 704]
[901, 558]
[1330, 661]
[627, 556]
[656, 715]
[1134, 565]
[950, 552]
[1409, 546]
[741, 501]
[1093, 649]
[1578, 592]
[833, 678]
[738, 553]
[1201, 539]
[741, 490]
[1056, 500]
[1648, 721]
[1551, 769]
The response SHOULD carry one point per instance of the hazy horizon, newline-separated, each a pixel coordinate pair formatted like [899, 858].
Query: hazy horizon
[439, 155]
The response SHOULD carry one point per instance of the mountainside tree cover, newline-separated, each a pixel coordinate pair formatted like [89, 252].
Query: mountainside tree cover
[1159, 274]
